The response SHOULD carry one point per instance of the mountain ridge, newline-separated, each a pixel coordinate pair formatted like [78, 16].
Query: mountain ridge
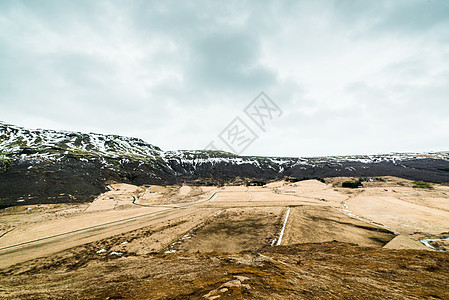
[49, 166]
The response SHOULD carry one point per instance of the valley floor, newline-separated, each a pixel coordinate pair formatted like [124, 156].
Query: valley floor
[220, 242]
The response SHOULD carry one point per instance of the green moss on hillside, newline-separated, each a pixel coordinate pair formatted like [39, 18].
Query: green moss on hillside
[422, 185]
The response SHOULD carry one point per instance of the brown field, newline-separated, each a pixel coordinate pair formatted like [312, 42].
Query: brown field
[310, 224]
[232, 231]
[163, 242]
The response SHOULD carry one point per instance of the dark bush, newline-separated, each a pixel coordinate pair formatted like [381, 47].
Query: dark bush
[293, 179]
[352, 184]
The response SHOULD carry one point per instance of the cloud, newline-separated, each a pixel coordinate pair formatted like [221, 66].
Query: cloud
[229, 61]
[176, 73]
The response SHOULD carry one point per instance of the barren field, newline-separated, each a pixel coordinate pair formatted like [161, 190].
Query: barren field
[233, 230]
[161, 242]
[310, 224]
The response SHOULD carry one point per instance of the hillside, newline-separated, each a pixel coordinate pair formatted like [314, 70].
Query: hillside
[48, 166]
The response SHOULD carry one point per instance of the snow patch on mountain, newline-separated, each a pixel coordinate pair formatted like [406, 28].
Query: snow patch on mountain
[41, 144]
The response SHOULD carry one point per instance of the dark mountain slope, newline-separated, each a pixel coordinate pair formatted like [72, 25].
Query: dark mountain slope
[47, 166]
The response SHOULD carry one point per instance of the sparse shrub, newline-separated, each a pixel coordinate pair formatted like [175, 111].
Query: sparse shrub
[256, 183]
[208, 183]
[422, 185]
[4, 164]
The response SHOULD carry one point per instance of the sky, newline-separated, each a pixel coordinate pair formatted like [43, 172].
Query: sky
[341, 77]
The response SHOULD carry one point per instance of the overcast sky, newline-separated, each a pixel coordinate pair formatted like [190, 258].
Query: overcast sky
[351, 77]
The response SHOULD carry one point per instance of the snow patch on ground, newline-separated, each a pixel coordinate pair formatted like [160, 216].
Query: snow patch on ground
[426, 242]
[283, 228]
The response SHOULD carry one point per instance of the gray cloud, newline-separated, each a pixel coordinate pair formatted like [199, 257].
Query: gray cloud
[176, 73]
[229, 61]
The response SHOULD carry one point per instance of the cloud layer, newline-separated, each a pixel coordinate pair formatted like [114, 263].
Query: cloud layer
[350, 76]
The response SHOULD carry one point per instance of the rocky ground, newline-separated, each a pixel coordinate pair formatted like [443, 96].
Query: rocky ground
[329, 270]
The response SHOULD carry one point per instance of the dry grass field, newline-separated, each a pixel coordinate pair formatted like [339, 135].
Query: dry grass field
[167, 242]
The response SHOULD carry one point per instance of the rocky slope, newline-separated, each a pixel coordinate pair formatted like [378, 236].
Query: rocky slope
[47, 166]
[306, 271]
